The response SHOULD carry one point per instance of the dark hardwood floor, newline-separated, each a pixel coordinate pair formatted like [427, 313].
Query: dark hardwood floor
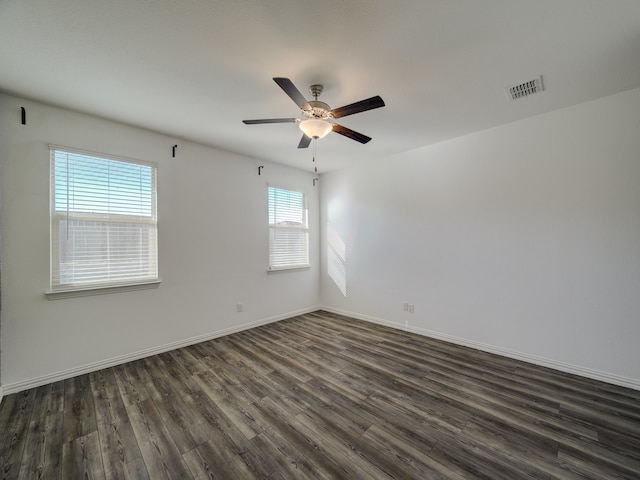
[322, 396]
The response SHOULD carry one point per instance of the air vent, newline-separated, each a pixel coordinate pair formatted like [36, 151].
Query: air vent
[525, 89]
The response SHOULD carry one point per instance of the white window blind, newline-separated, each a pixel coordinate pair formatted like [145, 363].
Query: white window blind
[288, 229]
[103, 221]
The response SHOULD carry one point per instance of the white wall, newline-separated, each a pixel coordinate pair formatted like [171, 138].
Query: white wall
[522, 240]
[213, 245]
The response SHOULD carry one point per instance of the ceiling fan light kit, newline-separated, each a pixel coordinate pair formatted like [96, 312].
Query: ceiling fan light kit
[315, 127]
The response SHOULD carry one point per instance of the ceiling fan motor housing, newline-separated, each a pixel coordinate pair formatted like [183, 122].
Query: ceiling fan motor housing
[317, 109]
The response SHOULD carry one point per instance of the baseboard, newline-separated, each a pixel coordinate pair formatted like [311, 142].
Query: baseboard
[1, 394]
[16, 387]
[533, 359]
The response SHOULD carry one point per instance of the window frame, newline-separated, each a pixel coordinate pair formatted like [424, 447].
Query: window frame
[104, 285]
[304, 228]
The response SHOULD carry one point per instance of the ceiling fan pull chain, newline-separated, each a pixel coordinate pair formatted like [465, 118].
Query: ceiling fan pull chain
[313, 158]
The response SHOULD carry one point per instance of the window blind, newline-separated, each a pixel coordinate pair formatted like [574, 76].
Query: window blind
[288, 229]
[103, 221]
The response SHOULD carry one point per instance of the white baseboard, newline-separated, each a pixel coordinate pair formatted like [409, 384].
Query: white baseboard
[16, 387]
[533, 359]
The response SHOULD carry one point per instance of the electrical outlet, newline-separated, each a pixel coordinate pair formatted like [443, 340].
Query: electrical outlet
[405, 307]
[239, 307]
[411, 308]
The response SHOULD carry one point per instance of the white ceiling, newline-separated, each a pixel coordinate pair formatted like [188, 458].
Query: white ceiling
[196, 68]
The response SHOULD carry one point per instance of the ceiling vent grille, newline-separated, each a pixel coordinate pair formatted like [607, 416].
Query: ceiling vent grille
[525, 89]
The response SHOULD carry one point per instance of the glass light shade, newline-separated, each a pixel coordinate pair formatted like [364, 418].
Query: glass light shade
[315, 128]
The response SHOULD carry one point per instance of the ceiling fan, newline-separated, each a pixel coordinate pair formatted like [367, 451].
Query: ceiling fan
[318, 116]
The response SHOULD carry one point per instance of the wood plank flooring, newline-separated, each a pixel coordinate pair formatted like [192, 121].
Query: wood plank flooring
[321, 396]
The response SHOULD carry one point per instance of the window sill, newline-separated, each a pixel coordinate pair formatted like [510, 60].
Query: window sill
[85, 292]
[285, 269]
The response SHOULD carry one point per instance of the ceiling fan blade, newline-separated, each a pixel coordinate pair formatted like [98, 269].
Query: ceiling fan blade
[304, 141]
[361, 106]
[291, 90]
[270, 120]
[353, 135]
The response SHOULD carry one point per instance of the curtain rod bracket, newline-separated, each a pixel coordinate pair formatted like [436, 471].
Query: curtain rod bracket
[174, 150]
[260, 168]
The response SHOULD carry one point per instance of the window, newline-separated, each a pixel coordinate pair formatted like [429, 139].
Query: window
[103, 221]
[288, 229]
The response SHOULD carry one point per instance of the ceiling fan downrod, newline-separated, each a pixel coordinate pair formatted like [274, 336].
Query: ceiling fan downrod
[317, 109]
[315, 90]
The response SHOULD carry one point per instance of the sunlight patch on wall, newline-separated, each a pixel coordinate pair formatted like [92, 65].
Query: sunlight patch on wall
[336, 259]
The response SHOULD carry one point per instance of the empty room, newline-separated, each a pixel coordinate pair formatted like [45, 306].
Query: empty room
[319, 240]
